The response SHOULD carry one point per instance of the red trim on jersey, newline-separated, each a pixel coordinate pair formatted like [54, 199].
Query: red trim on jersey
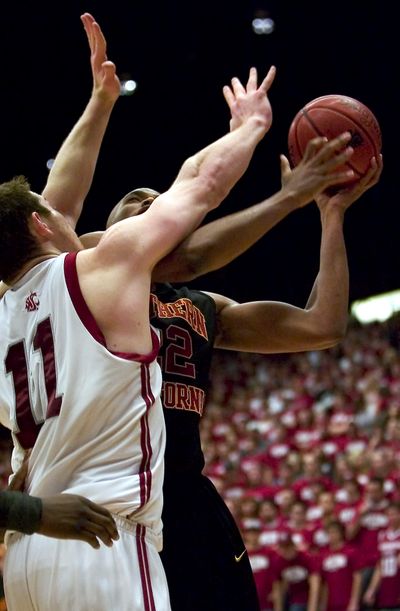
[88, 320]
[145, 577]
[145, 475]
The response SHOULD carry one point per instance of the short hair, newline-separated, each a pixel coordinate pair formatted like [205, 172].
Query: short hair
[121, 211]
[17, 244]
[115, 215]
[338, 526]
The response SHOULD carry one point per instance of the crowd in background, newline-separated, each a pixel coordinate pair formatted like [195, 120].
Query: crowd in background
[305, 450]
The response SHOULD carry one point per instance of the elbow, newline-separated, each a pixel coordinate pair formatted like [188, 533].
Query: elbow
[328, 330]
[190, 268]
[330, 336]
[332, 339]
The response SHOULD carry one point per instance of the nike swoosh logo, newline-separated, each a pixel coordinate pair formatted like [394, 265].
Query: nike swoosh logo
[238, 558]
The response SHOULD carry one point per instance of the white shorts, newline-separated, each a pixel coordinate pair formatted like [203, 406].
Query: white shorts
[45, 574]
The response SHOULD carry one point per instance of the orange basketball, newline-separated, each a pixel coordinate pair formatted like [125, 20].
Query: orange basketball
[330, 116]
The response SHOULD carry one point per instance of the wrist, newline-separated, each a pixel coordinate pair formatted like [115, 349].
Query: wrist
[257, 124]
[288, 199]
[25, 513]
[332, 213]
[102, 100]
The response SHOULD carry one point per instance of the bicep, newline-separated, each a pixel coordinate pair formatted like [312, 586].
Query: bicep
[267, 327]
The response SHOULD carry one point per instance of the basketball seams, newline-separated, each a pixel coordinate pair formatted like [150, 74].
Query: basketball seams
[324, 117]
[369, 124]
[370, 121]
[306, 114]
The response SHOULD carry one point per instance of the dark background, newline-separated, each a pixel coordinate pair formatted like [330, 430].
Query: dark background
[181, 54]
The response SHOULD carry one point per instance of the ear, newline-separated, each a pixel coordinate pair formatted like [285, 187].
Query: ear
[40, 227]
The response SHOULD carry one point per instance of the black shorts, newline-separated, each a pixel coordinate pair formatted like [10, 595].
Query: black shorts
[201, 542]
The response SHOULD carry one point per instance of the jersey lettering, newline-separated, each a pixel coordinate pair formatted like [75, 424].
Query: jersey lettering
[16, 364]
[178, 352]
[183, 396]
[182, 308]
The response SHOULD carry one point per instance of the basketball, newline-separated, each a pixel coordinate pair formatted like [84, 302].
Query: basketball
[330, 116]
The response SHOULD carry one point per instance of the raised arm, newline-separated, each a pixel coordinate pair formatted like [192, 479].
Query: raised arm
[216, 244]
[71, 176]
[269, 327]
[204, 180]
[115, 275]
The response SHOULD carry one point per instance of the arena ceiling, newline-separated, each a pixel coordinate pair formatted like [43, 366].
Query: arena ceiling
[180, 54]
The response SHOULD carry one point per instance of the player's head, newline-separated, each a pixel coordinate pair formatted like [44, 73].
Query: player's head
[26, 223]
[133, 203]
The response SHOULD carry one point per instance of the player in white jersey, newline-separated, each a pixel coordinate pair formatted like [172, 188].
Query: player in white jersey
[76, 343]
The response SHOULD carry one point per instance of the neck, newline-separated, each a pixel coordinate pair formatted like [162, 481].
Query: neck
[31, 263]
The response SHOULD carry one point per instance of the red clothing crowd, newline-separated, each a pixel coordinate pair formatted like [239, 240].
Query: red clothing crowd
[305, 450]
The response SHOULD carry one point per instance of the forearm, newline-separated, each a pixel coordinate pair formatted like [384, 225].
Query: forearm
[216, 244]
[330, 294]
[356, 589]
[277, 597]
[202, 184]
[375, 581]
[219, 166]
[71, 175]
[313, 596]
[19, 511]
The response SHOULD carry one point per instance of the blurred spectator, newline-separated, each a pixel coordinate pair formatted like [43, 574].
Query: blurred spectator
[384, 588]
[363, 531]
[295, 588]
[271, 523]
[298, 526]
[262, 564]
[339, 569]
[312, 474]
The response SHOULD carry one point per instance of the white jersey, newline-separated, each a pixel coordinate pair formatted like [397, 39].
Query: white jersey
[94, 418]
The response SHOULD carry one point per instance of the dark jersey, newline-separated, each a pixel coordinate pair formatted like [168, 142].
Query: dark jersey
[202, 542]
[187, 320]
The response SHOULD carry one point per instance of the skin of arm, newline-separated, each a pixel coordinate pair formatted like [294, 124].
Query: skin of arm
[63, 516]
[128, 251]
[71, 175]
[218, 243]
[277, 595]
[268, 327]
[369, 595]
[355, 592]
[314, 592]
[323, 597]
[354, 526]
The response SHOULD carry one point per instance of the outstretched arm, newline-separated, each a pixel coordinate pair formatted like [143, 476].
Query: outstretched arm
[270, 327]
[70, 177]
[122, 263]
[204, 180]
[216, 244]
